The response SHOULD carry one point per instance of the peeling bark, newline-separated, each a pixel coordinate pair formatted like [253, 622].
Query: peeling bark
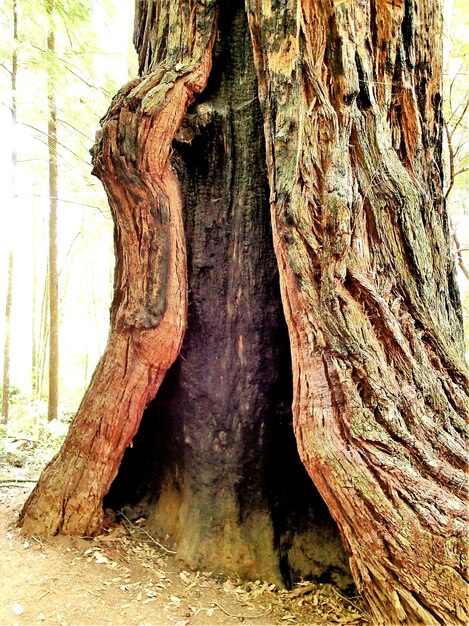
[351, 102]
[148, 314]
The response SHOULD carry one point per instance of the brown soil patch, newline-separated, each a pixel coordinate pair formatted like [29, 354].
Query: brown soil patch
[125, 577]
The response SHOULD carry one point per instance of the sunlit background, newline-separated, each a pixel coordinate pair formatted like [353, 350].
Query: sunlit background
[94, 59]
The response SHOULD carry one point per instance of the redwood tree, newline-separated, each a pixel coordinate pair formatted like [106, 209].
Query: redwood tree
[350, 97]
[53, 273]
[14, 175]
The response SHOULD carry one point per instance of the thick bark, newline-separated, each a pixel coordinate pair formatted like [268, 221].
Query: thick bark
[350, 95]
[53, 395]
[352, 108]
[149, 308]
[214, 464]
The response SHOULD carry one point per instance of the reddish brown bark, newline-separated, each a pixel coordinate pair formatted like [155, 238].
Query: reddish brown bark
[350, 94]
[351, 101]
[148, 314]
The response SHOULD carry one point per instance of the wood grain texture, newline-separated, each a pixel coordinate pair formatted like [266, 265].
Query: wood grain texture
[352, 108]
[149, 310]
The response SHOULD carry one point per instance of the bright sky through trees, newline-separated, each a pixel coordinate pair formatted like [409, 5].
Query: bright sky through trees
[86, 81]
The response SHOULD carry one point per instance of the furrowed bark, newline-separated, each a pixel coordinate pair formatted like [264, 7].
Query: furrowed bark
[352, 110]
[214, 465]
[148, 314]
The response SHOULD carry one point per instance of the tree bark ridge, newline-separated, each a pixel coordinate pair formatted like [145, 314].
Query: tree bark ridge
[368, 289]
[148, 314]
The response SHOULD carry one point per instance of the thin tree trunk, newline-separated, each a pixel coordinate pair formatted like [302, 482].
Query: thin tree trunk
[34, 351]
[7, 343]
[353, 135]
[53, 397]
[14, 166]
[148, 315]
[43, 339]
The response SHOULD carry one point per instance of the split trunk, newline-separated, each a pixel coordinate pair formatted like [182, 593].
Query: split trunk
[317, 127]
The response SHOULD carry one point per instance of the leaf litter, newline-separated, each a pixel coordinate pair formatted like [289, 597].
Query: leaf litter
[128, 574]
[308, 603]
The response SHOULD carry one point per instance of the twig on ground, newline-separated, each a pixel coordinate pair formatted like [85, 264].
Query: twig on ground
[301, 591]
[347, 600]
[15, 438]
[6, 481]
[242, 617]
[161, 546]
[362, 611]
[40, 540]
[44, 594]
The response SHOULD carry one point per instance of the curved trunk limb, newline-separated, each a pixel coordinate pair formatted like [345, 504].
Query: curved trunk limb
[149, 310]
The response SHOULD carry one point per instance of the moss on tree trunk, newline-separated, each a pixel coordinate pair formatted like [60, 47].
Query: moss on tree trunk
[351, 100]
[351, 107]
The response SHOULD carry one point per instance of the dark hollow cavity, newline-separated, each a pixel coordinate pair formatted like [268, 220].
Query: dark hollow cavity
[214, 464]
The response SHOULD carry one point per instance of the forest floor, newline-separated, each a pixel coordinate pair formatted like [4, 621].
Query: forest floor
[127, 577]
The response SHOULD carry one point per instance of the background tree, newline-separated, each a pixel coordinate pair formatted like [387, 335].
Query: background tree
[53, 397]
[12, 208]
[7, 343]
[456, 107]
[353, 133]
[81, 67]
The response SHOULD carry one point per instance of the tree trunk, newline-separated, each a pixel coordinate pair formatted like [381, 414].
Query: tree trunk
[7, 342]
[351, 105]
[204, 467]
[148, 314]
[43, 337]
[53, 397]
[353, 135]
[14, 166]
[34, 338]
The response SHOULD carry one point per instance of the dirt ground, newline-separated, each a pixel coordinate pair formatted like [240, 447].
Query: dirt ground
[126, 577]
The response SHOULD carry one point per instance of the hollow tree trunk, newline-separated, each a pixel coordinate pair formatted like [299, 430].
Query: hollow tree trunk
[350, 97]
[352, 109]
[148, 313]
[215, 464]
